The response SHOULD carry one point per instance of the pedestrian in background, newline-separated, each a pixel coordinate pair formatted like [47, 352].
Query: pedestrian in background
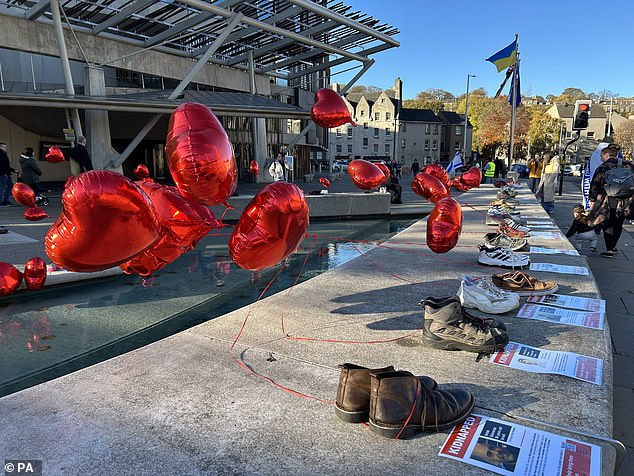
[79, 154]
[415, 167]
[548, 182]
[278, 169]
[6, 184]
[30, 171]
[489, 172]
[535, 166]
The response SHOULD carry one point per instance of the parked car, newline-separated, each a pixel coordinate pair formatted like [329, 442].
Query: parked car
[340, 165]
[521, 169]
[573, 169]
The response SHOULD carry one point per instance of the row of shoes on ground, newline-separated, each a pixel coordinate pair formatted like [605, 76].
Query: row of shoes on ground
[396, 403]
[497, 239]
[513, 231]
[482, 294]
[524, 284]
[502, 257]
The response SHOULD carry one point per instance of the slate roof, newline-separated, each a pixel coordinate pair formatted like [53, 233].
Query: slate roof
[452, 118]
[568, 110]
[418, 115]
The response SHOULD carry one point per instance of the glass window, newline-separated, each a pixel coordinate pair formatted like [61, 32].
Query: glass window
[403, 127]
[375, 148]
[427, 129]
[456, 146]
[458, 130]
[338, 132]
[382, 100]
[426, 144]
[435, 128]
[435, 144]
[362, 112]
[388, 116]
[349, 131]
[365, 125]
[339, 149]
[388, 132]
[590, 134]
[377, 116]
[349, 148]
[365, 142]
[376, 132]
[387, 149]
[403, 143]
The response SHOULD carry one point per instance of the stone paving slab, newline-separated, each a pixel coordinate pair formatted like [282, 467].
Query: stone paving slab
[184, 404]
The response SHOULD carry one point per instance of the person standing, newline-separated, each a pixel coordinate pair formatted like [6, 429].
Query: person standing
[535, 166]
[415, 167]
[548, 182]
[79, 154]
[5, 176]
[489, 172]
[30, 171]
[612, 208]
[279, 169]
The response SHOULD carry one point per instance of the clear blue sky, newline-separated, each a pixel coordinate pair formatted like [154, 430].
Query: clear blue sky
[583, 44]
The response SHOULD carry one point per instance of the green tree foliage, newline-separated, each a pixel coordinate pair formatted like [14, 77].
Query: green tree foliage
[543, 130]
[570, 95]
[434, 99]
[365, 89]
[624, 136]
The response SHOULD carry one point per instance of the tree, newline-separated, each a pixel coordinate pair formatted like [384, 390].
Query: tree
[624, 135]
[433, 99]
[570, 95]
[365, 89]
[543, 131]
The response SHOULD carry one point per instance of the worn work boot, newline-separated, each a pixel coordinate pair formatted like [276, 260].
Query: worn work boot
[400, 406]
[448, 326]
[445, 301]
[353, 392]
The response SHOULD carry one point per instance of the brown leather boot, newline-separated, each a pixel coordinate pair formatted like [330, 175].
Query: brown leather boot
[353, 392]
[400, 406]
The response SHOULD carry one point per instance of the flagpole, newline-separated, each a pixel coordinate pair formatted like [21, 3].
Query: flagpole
[466, 119]
[514, 99]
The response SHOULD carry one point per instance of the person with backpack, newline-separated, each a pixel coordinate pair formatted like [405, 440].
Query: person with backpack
[610, 196]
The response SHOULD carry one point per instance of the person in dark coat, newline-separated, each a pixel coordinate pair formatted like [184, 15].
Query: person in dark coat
[79, 154]
[30, 172]
[5, 176]
[415, 167]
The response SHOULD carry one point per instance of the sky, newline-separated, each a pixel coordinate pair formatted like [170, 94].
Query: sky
[582, 44]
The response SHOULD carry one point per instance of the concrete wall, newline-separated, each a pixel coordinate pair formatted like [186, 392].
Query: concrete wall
[37, 37]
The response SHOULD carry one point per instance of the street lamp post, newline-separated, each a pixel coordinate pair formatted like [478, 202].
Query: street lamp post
[466, 119]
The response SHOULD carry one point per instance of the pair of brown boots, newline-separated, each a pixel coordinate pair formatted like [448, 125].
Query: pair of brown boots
[396, 403]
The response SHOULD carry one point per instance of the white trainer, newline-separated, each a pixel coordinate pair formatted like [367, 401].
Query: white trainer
[502, 257]
[482, 294]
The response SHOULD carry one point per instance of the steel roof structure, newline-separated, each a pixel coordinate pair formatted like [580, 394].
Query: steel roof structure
[287, 38]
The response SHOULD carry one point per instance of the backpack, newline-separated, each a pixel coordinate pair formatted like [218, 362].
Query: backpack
[619, 182]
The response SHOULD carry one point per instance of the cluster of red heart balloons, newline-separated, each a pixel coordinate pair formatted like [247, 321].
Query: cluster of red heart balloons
[25, 196]
[54, 155]
[108, 220]
[34, 276]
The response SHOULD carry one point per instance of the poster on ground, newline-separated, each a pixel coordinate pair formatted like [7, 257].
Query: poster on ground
[559, 268]
[547, 235]
[570, 302]
[531, 359]
[511, 449]
[552, 251]
[592, 320]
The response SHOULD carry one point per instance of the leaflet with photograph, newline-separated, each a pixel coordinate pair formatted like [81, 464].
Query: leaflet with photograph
[552, 251]
[541, 361]
[547, 235]
[508, 448]
[592, 320]
[570, 302]
[559, 268]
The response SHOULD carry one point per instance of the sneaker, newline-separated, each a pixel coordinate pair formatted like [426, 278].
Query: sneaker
[489, 321]
[505, 229]
[482, 294]
[505, 193]
[524, 284]
[499, 239]
[608, 254]
[593, 249]
[448, 326]
[508, 203]
[516, 226]
[502, 212]
[502, 257]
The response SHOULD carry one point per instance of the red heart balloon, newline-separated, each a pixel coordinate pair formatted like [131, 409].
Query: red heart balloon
[429, 187]
[455, 182]
[10, 278]
[271, 227]
[54, 155]
[444, 225]
[325, 182]
[35, 214]
[385, 169]
[254, 168]
[183, 221]
[329, 109]
[141, 171]
[365, 175]
[23, 194]
[471, 178]
[106, 219]
[35, 273]
[438, 172]
[200, 155]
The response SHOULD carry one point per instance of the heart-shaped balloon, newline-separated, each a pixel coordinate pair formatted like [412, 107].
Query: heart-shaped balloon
[444, 225]
[54, 155]
[106, 219]
[35, 273]
[429, 187]
[385, 169]
[254, 168]
[270, 228]
[455, 183]
[365, 175]
[141, 171]
[23, 194]
[437, 171]
[325, 182]
[200, 155]
[471, 178]
[329, 109]
[10, 278]
[183, 221]
[35, 214]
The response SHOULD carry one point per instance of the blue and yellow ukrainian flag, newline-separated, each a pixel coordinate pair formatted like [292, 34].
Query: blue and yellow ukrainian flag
[504, 58]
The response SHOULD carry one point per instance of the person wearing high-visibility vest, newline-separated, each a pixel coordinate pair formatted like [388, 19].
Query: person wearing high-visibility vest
[489, 172]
